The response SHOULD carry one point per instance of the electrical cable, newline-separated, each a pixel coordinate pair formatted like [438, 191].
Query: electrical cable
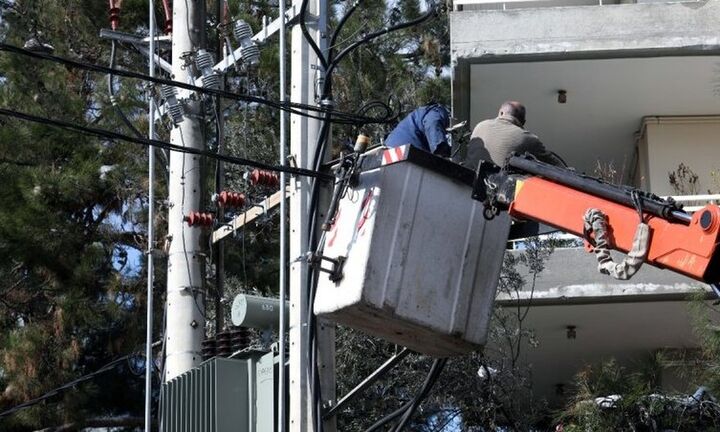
[102, 133]
[340, 25]
[113, 100]
[308, 37]
[409, 407]
[435, 371]
[109, 366]
[338, 117]
[432, 12]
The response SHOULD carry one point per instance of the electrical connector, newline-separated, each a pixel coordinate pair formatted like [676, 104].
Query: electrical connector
[249, 50]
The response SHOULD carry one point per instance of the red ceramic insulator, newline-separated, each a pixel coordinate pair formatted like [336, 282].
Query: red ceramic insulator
[168, 16]
[264, 178]
[231, 199]
[115, 6]
[199, 219]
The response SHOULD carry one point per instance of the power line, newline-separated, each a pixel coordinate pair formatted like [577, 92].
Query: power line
[339, 117]
[103, 133]
[112, 365]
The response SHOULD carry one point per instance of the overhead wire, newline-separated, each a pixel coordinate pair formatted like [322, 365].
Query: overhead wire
[103, 133]
[54, 392]
[338, 117]
[113, 99]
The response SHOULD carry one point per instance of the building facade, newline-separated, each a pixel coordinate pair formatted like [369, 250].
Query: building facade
[627, 90]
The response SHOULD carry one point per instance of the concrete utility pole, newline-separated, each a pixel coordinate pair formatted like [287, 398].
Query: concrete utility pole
[306, 74]
[185, 284]
[149, 359]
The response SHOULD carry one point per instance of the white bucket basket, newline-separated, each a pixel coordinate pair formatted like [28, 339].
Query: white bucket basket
[421, 264]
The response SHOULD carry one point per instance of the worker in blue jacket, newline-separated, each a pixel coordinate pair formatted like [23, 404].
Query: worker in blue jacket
[424, 128]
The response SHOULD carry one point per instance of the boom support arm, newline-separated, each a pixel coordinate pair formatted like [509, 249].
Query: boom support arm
[683, 243]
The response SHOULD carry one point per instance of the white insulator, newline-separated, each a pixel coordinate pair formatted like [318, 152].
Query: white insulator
[211, 81]
[174, 108]
[250, 53]
[204, 62]
[176, 113]
[242, 31]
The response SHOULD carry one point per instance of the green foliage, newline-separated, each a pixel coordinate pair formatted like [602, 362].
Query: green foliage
[608, 397]
[71, 209]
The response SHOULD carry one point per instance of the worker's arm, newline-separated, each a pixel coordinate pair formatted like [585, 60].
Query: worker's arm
[535, 147]
[435, 122]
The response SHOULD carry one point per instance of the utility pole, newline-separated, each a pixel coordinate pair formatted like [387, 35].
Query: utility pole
[303, 137]
[306, 75]
[185, 284]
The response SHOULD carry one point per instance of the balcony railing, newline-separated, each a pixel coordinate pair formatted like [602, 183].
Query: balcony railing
[460, 5]
[694, 203]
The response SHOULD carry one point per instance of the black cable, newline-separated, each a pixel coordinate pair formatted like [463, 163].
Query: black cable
[341, 24]
[67, 386]
[336, 60]
[430, 379]
[102, 133]
[113, 101]
[308, 37]
[338, 117]
[433, 375]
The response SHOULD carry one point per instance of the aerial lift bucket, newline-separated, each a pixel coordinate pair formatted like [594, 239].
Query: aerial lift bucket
[416, 262]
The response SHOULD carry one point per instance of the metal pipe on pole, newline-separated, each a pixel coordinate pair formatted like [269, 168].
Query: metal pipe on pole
[185, 285]
[150, 228]
[282, 389]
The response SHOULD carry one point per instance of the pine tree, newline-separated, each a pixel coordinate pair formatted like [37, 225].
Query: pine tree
[71, 225]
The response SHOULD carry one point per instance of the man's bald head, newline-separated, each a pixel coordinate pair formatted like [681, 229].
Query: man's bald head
[513, 109]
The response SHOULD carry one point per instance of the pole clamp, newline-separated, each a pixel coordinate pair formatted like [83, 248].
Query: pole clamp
[336, 272]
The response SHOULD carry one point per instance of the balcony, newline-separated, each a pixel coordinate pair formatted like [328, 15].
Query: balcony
[625, 320]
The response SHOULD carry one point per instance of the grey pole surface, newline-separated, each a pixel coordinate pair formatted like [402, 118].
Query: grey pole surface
[282, 389]
[185, 295]
[303, 138]
[150, 228]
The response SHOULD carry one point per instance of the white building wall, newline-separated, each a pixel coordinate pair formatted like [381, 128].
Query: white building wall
[666, 142]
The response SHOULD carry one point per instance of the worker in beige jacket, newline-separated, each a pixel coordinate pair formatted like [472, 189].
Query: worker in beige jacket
[496, 139]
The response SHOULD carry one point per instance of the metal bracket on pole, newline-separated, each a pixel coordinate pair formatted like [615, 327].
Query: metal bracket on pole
[336, 272]
[248, 216]
[140, 44]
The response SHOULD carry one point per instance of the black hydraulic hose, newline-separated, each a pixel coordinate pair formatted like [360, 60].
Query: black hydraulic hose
[594, 186]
